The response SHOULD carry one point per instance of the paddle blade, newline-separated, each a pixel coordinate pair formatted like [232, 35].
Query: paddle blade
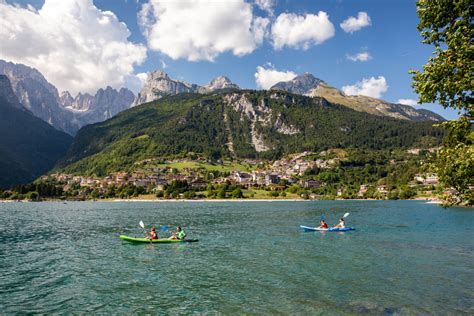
[164, 228]
[322, 217]
[142, 225]
[345, 215]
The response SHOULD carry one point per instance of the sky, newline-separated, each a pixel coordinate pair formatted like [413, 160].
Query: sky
[362, 47]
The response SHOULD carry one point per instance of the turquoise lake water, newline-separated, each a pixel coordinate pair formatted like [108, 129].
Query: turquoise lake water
[406, 257]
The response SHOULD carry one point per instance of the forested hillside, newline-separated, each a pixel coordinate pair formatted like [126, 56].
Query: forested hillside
[245, 124]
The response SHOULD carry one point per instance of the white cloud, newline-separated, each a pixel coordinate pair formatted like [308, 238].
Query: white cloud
[372, 87]
[75, 45]
[267, 77]
[297, 31]
[364, 56]
[352, 24]
[200, 29]
[142, 76]
[266, 5]
[410, 102]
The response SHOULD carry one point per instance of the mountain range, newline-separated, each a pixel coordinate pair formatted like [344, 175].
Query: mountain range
[69, 114]
[171, 117]
[63, 112]
[29, 147]
[159, 84]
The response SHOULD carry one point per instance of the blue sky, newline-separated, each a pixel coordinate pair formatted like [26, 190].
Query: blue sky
[391, 40]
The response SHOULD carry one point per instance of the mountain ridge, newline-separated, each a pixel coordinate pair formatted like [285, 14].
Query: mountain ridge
[309, 85]
[29, 146]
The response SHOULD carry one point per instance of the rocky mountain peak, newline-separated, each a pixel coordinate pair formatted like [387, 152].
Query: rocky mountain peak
[65, 99]
[159, 84]
[302, 84]
[157, 74]
[221, 82]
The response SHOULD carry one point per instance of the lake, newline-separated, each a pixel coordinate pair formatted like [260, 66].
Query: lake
[406, 257]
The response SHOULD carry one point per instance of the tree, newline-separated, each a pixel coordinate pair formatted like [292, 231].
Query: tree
[237, 193]
[32, 196]
[221, 194]
[447, 78]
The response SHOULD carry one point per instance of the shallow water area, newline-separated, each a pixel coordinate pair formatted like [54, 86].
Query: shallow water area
[406, 257]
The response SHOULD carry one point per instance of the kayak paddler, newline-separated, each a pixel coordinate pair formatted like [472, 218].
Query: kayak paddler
[323, 224]
[341, 223]
[180, 234]
[152, 234]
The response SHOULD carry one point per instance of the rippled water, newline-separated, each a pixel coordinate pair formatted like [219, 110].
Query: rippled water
[404, 258]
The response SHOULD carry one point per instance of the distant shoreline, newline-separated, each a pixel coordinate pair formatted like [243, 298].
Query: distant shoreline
[427, 200]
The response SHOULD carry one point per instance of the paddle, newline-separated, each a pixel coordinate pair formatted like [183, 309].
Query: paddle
[143, 226]
[345, 215]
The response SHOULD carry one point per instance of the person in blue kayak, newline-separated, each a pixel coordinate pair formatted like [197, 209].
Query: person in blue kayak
[179, 234]
[323, 224]
[152, 234]
[341, 223]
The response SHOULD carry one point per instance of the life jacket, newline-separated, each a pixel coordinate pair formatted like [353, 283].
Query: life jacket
[181, 234]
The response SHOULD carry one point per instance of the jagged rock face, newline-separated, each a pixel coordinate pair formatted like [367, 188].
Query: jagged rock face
[302, 84]
[219, 83]
[39, 96]
[66, 100]
[82, 102]
[107, 103]
[63, 112]
[260, 114]
[6, 92]
[103, 105]
[159, 84]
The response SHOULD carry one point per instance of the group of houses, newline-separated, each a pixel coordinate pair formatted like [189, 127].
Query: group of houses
[277, 176]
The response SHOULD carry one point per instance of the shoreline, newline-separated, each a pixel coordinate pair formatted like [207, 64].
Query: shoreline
[426, 200]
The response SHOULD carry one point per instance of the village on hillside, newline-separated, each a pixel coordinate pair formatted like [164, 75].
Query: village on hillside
[292, 177]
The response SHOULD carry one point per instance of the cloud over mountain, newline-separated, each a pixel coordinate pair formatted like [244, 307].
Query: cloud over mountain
[411, 102]
[74, 44]
[371, 87]
[200, 31]
[267, 77]
[301, 31]
[352, 24]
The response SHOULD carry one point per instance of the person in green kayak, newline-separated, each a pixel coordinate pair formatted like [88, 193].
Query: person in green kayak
[341, 223]
[180, 234]
[152, 234]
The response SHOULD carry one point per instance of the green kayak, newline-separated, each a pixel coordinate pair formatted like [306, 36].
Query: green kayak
[148, 241]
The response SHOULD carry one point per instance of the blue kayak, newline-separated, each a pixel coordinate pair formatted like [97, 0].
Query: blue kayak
[311, 229]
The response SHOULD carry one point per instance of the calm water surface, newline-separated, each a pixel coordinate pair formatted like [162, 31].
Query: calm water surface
[405, 257]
